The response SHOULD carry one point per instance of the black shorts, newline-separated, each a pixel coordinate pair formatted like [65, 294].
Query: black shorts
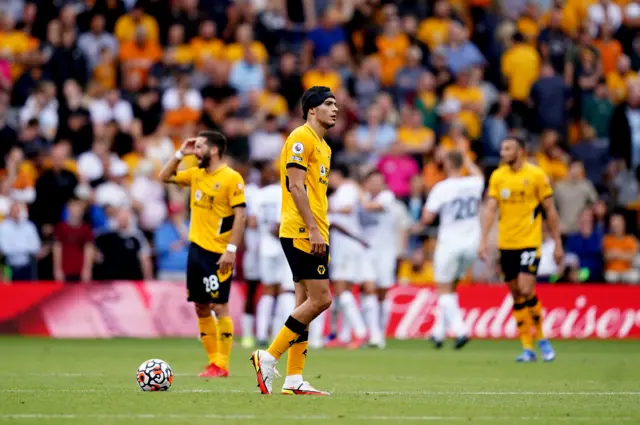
[305, 266]
[204, 283]
[516, 261]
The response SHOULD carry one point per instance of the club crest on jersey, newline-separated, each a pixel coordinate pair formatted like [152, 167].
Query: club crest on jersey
[198, 195]
[321, 270]
[298, 148]
[505, 193]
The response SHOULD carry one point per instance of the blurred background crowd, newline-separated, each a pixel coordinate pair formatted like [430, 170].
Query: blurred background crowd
[96, 94]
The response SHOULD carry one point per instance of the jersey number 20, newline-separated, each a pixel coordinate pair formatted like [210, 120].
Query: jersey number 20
[465, 208]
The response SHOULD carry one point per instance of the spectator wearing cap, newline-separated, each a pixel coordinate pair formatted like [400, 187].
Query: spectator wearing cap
[620, 250]
[572, 196]
[94, 41]
[19, 243]
[123, 253]
[548, 98]
[73, 245]
[171, 241]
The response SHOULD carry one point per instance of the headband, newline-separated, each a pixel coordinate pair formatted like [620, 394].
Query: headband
[313, 97]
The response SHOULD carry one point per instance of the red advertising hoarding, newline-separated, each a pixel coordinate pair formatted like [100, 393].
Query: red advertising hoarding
[157, 309]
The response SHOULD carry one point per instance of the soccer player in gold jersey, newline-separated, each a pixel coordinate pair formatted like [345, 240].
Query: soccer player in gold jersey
[519, 192]
[304, 235]
[216, 230]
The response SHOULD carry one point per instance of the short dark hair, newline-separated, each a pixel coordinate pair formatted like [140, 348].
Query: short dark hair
[215, 138]
[519, 140]
[456, 159]
[341, 168]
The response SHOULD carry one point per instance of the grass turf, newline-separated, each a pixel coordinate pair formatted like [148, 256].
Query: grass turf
[81, 381]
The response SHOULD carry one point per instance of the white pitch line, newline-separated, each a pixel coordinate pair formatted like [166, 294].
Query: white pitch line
[358, 393]
[18, 416]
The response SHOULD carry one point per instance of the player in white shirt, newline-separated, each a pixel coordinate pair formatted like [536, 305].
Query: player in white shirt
[347, 250]
[275, 274]
[377, 218]
[457, 201]
[250, 267]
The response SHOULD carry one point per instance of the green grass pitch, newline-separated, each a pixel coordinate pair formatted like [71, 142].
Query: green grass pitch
[93, 381]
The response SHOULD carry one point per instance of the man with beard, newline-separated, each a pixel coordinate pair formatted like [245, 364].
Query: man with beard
[216, 230]
[520, 191]
[304, 236]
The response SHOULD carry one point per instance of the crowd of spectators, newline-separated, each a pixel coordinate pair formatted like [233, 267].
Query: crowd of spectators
[96, 94]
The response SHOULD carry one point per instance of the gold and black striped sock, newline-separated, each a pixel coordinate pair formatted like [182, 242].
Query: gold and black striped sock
[523, 320]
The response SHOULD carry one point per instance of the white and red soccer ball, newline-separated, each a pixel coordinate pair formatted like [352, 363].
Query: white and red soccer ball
[154, 375]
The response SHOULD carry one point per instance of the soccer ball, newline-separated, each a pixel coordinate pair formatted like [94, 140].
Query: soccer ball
[154, 375]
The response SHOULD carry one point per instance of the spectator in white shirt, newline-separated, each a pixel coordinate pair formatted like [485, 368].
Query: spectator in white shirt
[43, 106]
[604, 11]
[91, 43]
[19, 243]
[182, 96]
[91, 163]
[266, 143]
[114, 193]
[112, 108]
[147, 194]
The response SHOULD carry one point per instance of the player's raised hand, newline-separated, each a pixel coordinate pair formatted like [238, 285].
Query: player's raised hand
[226, 262]
[188, 146]
[317, 243]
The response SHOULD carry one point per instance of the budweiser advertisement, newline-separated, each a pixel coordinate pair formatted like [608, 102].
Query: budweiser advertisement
[159, 309]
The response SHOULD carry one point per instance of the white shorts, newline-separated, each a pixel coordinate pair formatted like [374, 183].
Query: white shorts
[250, 265]
[274, 270]
[379, 267]
[346, 264]
[451, 263]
